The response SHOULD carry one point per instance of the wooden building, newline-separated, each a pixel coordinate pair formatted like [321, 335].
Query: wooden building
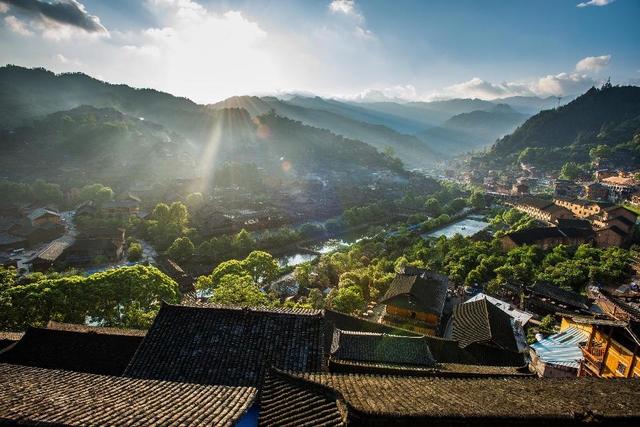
[42, 216]
[542, 210]
[611, 349]
[416, 299]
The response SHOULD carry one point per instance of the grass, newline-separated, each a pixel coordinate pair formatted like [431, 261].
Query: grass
[633, 208]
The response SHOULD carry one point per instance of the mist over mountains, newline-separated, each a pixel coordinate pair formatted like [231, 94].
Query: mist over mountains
[65, 115]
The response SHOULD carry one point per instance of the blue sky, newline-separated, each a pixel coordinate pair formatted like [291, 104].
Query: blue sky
[208, 50]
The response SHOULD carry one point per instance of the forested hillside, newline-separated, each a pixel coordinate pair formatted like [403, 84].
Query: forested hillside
[609, 116]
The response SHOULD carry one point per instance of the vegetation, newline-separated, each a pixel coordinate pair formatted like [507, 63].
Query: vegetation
[602, 124]
[125, 297]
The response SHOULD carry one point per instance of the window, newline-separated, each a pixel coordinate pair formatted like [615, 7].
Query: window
[622, 368]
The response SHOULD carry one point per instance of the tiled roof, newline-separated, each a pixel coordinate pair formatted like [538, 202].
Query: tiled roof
[443, 350]
[537, 234]
[37, 213]
[574, 223]
[381, 348]
[480, 321]
[231, 346]
[536, 203]
[74, 327]
[426, 292]
[306, 404]
[561, 295]
[522, 316]
[8, 338]
[449, 370]
[50, 397]
[371, 400]
[83, 349]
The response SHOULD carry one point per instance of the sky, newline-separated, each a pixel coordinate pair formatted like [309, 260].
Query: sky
[369, 50]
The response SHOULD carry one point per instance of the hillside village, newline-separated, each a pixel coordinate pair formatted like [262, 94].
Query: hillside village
[273, 291]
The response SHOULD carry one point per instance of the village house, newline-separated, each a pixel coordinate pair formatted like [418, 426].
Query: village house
[565, 188]
[548, 237]
[544, 298]
[124, 207]
[621, 187]
[581, 208]
[595, 191]
[236, 365]
[415, 299]
[611, 349]
[558, 355]
[481, 322]
[542, 210]
[43, 216]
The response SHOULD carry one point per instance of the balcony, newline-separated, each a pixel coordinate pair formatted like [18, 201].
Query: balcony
[593, 358]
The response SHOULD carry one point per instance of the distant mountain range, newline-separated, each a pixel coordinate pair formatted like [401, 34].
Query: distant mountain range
[474, 130]
[419, 133]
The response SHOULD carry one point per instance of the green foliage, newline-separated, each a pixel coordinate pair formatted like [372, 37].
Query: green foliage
[169, 223]
[194, 201]
[348, 300]
[134, 252]
[46, 192]
[239, 290]
[123, 297]
[181, 249]
[570, 170]
[95, 192]
[259, 266]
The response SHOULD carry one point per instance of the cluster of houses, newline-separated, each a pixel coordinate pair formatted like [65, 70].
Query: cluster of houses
[599, 333]
[22, 227]
[572, 222]
[203, 364]
[53, 242]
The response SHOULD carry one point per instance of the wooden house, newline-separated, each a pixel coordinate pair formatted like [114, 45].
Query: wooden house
[416, 299]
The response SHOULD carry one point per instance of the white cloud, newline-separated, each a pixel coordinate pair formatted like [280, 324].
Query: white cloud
[4, 8]
[67, 61]
[17, 26]
[392, 93]
[197, 53]
[550, 85]
[593, 63]
[353, 18]
[595, 3]
[348, 7]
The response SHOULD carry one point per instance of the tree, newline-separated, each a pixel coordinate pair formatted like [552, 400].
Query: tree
[239, 290]
[178, 214]
[122, 297]
[161, 213]
[477, 200]
[243, 242]
[315, 298]
[45, 192]
[194, 201]
[456, 205]
[433, 207]
[261, 266]
[181, 249]
[348, 300]
[570, 170]
[95, 192]
[232, 266]
[134, 253]
[600, 152]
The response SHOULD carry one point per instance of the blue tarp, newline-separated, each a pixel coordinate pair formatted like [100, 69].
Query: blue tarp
[561, 348]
